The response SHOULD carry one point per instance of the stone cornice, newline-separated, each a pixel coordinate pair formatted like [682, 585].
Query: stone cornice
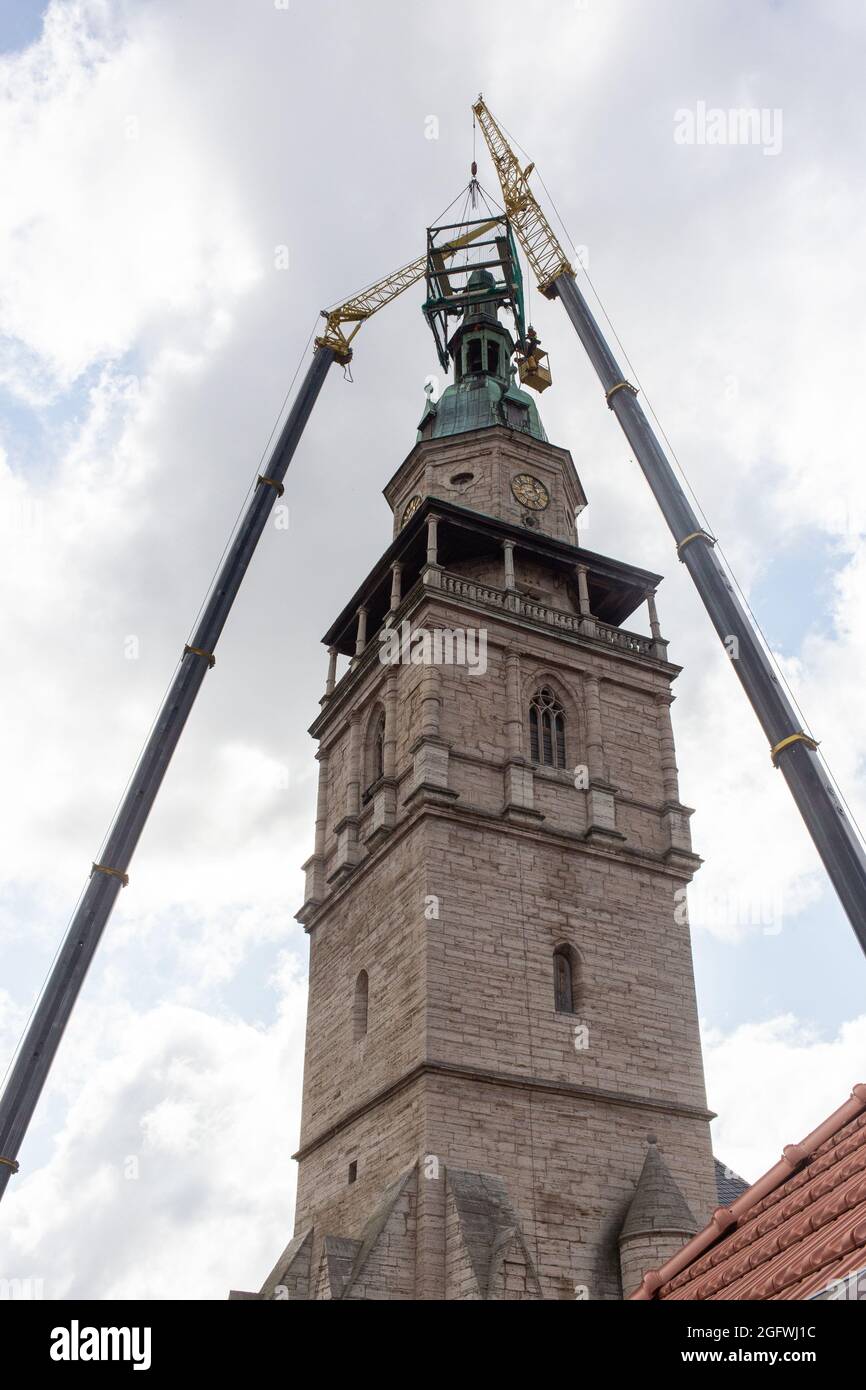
[514, 1081]
[464, 811]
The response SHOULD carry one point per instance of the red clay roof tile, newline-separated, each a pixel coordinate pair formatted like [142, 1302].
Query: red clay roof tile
[792, 1233]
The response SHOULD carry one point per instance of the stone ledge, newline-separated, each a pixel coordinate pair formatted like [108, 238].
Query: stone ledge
[508, 1079]
[440, 803]
[429, 791]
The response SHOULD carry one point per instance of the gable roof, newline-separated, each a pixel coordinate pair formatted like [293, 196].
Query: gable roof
[796, 1230]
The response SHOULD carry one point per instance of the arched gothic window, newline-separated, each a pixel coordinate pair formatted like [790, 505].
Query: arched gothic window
[546, 729]
[564, 980]
[359, 1007]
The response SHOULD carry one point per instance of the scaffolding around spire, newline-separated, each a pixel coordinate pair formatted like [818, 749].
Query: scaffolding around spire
[462, 291]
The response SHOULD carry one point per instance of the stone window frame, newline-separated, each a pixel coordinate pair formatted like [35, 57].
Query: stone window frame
[546, 704]
[374, 749]
[564, 951]
[566, 686]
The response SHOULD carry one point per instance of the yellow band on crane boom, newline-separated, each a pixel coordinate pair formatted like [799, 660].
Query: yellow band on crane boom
[271, 482]
[620, 386]
[694, 536]
[10, 1163]
[544, 253]
[113, 873]
[786, 743]
[200, 651]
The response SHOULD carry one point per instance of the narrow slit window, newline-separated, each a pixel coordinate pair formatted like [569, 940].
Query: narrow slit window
[360, 1007]
[563, 980]
[379, 748]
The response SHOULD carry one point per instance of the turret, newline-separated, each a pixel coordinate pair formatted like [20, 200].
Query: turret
[658, 1222]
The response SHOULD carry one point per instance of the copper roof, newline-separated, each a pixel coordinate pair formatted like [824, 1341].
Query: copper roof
[792, 1233]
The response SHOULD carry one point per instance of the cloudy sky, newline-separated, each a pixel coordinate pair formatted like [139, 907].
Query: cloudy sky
[156, 158]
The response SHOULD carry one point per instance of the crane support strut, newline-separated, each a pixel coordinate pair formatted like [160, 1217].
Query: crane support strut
[45, 1030]
[832, 832]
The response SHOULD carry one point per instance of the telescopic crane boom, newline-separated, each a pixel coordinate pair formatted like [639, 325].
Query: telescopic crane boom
[791, 749]
[46, 1027]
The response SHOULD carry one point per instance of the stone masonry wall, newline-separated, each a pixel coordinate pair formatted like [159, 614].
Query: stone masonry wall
[570, 1165]
[466, 1058]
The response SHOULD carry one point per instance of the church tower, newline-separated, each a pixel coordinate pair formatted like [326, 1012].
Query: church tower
[503, 1088]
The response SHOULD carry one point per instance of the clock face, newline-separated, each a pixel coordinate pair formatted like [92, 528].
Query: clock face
[530, 492]
[411, 507]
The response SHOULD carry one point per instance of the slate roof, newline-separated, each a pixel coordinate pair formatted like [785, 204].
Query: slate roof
[798, 1229]
[657, 1204]
[729, 1185]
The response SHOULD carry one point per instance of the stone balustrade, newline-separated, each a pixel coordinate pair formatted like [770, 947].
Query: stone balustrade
[488, 596]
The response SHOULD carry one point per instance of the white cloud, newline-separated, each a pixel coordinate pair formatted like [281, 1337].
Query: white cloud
[773, 1082]
[107, 215]
[169, 1177]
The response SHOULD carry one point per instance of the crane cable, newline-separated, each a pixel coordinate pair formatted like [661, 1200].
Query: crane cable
[681, 470]
[466, 193]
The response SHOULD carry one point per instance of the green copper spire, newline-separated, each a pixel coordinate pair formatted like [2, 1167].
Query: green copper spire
[483, 392]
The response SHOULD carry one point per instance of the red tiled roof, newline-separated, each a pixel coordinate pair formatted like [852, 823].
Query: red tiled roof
[796, 1230]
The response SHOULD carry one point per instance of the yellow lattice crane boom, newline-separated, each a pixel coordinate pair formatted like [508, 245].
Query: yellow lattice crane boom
[362, 306]
[543, 252]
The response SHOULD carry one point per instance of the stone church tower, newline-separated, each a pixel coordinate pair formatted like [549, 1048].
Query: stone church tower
[503, 1088]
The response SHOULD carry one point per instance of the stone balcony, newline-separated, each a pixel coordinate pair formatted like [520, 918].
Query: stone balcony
[490, 598]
